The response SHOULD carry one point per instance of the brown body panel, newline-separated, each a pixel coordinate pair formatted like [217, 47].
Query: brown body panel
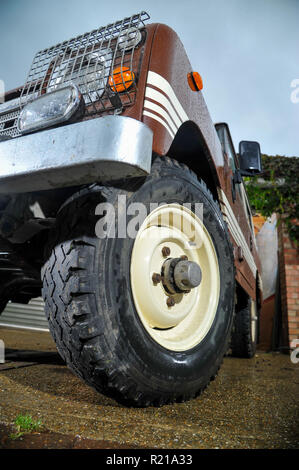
[169, 60]
[166, 104]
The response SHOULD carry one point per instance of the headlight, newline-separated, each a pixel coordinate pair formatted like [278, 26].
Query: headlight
[129, 38]
[50, 109]
[89, 73]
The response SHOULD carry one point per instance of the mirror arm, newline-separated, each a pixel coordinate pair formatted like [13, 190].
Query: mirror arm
[238, 176]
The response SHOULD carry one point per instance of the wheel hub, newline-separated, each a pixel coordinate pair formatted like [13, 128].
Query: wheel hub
[180, 275]
[175, 282]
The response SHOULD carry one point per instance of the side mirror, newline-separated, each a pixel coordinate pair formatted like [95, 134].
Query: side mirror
[250, 158]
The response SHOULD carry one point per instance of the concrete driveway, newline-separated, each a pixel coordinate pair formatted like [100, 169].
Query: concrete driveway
[251, 404]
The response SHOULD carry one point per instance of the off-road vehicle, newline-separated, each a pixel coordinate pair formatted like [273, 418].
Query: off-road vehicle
[124, 205]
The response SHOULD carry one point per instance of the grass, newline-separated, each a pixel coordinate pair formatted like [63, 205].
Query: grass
[25, 424]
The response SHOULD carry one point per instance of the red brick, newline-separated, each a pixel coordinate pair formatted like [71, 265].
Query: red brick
[291, 273]
[289, 283]
[288, 256]
[292, 291]
[292, 295]
[292, 313]
[294, 331]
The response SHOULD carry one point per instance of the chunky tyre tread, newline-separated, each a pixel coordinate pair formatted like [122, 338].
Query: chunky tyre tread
[69, 286]
[241, 341]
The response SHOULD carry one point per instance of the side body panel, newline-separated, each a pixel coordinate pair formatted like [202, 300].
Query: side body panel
[169, 105]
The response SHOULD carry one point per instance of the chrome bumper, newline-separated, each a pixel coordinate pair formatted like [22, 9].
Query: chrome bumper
[102, 149]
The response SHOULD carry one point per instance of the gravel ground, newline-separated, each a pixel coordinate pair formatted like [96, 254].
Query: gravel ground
[251, 404]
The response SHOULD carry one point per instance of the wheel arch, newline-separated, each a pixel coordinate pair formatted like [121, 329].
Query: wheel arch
[189, 147]
[241, 293]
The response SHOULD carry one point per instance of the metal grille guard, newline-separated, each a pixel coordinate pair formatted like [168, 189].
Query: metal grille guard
[87, 61]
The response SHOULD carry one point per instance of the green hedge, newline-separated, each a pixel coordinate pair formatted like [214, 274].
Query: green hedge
[277, 190]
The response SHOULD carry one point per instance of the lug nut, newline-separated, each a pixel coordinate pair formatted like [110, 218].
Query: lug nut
[156, 278]
[165, 251]
[170, 302]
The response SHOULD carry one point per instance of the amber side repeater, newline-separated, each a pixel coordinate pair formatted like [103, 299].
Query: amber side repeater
[195, 81]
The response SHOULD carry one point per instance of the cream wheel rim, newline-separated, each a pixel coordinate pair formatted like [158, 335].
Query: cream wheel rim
[184, 325]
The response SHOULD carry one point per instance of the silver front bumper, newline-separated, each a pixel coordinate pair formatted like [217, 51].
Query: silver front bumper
[102, 149]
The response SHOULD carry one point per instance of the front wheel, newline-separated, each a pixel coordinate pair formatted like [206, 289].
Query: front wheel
[146, 317]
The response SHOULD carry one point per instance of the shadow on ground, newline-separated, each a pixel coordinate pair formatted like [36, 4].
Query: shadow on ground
[251, 404]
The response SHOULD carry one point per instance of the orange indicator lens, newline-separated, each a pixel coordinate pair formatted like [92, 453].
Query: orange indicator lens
[121, 79]
[195, 81]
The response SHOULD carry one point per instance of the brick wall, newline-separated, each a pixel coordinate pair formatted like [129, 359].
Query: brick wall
[289, 286]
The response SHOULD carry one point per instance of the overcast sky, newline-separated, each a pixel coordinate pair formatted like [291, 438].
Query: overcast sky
[247, 52]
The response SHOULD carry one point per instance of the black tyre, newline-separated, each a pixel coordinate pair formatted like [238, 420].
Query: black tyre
[103, 327]
[2, 306]
[245, 329]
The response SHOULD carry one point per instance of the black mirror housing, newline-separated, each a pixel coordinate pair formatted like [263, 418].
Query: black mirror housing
[250, 158]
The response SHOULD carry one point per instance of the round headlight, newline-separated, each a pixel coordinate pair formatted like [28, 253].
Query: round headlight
[89, 73]
[129, 38]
